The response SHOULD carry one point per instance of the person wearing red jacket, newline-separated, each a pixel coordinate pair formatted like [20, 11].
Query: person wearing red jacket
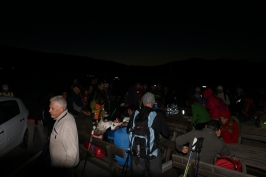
[212, 104]
[229, 130]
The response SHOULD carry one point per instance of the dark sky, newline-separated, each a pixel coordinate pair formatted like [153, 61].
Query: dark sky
[138, 34]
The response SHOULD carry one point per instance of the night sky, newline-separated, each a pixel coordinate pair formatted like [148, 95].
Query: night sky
[137, 34]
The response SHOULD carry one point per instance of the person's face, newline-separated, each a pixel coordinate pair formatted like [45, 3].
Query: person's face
[90, 88]
[223, 120]
[130, 112]
[101, 86]
[76, 90]
[55, 109]
[64, 95]
[138, 86]
[219, 90]
[218, 132]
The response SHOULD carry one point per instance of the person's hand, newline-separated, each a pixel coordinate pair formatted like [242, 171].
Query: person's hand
[218, 133]
[185, 149]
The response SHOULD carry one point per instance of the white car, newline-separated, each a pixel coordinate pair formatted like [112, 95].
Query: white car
[13, 123]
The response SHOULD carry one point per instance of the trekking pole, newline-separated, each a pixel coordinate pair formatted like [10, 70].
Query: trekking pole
[191, 153]
[186, 170]
[198, 150]
[89, 147]
[113, 113]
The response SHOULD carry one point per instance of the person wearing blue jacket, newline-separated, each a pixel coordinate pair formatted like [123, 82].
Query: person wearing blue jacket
[121, 140]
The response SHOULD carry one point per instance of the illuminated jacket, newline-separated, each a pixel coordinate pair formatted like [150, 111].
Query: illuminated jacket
[64, 145]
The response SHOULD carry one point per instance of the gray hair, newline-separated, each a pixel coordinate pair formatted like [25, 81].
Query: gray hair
[59, 99]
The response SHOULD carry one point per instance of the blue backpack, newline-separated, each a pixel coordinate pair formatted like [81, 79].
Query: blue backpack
[141, 135]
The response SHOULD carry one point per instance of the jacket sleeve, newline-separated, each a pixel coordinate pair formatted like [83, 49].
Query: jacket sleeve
[224, 149]
[164, 128]
[70, 107]
[70, 145]
[181, 140]
[194, 115]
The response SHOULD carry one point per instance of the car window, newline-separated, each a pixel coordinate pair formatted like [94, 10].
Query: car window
[8, 110]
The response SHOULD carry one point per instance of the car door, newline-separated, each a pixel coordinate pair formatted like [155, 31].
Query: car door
[2, 139]
[14, 123]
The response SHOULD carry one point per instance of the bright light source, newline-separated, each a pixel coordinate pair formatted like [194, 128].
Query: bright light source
[183, 112]
[204, 86]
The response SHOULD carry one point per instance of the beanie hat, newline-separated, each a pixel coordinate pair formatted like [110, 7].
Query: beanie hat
[148, 98]
[226, 114]
[220, 87]
[5, 87]
[197, 89]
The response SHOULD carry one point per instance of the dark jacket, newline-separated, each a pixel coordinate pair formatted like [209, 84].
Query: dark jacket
[74, 98]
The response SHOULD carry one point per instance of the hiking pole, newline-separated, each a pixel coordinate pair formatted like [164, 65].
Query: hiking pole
[186, 170]
[198, 150]
[191, 153]
[113, 113]
[88, 149]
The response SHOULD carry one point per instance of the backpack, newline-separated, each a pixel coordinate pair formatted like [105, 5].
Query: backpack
[262, 123]
[248, 107]
[234, 119]
[141, 134]
[231, 162]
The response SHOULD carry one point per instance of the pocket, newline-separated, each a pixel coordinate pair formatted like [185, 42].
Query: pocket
[54, 135]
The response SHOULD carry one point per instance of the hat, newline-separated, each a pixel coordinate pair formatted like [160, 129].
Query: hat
[197, 89]
[126, 119]
[5, 87]
[220, 87]
[77, 85]
[226, 114]
[148, 98]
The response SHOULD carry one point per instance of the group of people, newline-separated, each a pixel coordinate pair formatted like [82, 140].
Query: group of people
[68, 109]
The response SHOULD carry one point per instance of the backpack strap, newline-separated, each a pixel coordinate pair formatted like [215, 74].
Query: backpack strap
[231, 125]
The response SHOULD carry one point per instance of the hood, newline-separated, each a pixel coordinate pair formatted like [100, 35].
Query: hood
[207, 93]
[226, 114]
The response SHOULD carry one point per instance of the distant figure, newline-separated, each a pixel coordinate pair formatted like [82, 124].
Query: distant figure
[198, 96]
[64, 145]
[34, 121]
[74, 100]
[220, 93]
[213, 103]
[84, 123]
[6, 91]
[121, 140]
[200, 115]
[64, 94]
[132, 96]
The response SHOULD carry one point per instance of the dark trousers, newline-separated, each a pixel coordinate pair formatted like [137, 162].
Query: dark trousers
[153, 167]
